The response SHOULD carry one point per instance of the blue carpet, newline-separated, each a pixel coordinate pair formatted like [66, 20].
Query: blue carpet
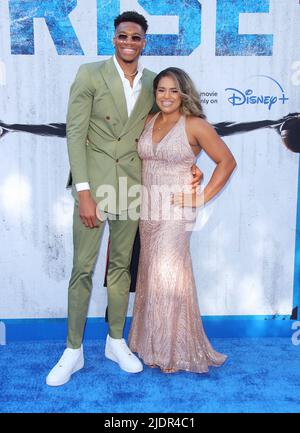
[261, 375]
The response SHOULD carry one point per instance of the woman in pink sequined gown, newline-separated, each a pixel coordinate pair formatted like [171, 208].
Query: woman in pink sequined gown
[166, 328]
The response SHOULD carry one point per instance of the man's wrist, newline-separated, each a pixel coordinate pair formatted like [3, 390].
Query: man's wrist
[84, 194]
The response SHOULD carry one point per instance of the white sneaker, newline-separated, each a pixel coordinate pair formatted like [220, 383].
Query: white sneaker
[71, 361]
[117, 350]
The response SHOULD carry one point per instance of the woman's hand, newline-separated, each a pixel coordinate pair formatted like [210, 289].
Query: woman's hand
[197, 176]
[186, 199]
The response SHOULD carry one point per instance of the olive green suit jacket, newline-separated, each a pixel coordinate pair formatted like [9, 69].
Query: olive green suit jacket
[102, 139]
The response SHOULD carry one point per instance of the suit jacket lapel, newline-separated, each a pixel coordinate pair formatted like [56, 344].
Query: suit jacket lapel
[114, 83]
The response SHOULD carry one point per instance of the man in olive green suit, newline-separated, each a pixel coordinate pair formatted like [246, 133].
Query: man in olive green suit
[108, 106]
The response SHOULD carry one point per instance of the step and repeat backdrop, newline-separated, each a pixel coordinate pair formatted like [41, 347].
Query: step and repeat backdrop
[244, 57]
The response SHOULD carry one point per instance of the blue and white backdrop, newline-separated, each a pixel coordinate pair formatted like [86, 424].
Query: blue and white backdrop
[244, 56]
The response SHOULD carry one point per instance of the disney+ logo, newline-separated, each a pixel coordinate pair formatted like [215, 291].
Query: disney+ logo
[238, 97]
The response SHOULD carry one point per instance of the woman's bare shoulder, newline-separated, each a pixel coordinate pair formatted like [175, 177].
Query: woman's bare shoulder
[194, 123]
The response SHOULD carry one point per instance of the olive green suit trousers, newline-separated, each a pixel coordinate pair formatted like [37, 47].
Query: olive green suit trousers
[86, 247]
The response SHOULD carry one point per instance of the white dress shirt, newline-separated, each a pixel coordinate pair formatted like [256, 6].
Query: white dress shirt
[131, 96]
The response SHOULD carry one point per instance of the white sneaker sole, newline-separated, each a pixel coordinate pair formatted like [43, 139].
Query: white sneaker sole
[112, 357]
[77, 367]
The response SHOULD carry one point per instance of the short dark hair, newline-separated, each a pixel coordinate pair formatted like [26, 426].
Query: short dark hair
[133, 17]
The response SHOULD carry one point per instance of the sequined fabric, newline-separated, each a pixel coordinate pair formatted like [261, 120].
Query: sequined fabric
[166, 328]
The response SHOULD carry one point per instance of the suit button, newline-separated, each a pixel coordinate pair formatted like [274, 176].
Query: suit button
[117, 160]
[136, 140]
[107, 118]
[119, 139]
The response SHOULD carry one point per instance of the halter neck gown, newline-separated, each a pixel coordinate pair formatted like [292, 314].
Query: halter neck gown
[166, 328]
